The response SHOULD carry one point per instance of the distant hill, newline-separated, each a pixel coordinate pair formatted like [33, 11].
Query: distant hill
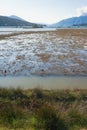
[7, 21]
[16, 17]
[70, 22]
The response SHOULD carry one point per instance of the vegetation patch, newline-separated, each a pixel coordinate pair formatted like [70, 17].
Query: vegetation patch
[38, 109]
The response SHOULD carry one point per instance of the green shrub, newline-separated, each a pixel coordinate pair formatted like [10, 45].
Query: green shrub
[49, 120]
[9, 113]
[38, 93]
[12, 94]
[77, 118]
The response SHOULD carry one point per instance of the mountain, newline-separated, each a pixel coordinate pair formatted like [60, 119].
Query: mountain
[16, 17]
[7, 21]
[70, 22]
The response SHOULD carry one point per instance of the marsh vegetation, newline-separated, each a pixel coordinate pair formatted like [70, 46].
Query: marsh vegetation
[57, 52]
[38, 109]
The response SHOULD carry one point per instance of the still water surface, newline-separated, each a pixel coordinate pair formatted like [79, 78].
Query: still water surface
[52, 82]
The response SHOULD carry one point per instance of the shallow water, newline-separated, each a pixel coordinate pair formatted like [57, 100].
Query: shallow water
[10, 30]
[47, 53]
[52, 82]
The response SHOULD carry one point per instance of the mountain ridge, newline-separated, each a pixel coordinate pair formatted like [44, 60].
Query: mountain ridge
[70, 22]
[7, 21]
[16, 17]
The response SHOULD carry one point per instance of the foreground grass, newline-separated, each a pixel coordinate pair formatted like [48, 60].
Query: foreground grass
[39, 109]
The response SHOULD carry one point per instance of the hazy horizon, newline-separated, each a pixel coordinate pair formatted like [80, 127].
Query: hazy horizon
[48, 12]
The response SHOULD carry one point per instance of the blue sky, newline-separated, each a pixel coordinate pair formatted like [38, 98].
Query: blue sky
[43, 11]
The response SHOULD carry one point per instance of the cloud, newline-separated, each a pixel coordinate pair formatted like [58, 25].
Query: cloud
[82, 11]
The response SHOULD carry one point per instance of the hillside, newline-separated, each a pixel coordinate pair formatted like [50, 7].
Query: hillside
[7, 21]
[16, 17]
[74, 21]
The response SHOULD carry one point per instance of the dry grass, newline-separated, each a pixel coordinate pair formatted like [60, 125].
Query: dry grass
[44, 57]
[72, 32]
[20, 57]
[58, 32]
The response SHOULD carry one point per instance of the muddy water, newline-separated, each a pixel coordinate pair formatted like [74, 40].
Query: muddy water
[51, 82]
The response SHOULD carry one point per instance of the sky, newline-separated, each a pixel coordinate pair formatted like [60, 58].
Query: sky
[43, 11]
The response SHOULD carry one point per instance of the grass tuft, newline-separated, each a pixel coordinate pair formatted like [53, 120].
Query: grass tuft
[39, 109]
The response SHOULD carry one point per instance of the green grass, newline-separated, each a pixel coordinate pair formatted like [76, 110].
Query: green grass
[38, 109]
